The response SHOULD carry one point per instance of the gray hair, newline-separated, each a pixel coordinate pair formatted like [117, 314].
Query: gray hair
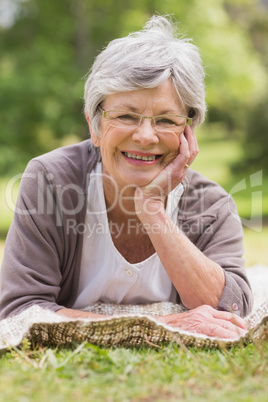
[146, 59]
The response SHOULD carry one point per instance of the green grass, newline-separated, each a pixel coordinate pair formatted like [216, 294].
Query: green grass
[89, 373]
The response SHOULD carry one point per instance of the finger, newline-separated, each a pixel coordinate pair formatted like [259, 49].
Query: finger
[234, 318]
[193, 145]
[184, 154]
[196, 147]
[231, 327]
[217, 331]
[196, 142]
[190, 137]
[240, 322]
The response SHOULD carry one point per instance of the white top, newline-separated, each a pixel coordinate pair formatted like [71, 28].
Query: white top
[105, 275]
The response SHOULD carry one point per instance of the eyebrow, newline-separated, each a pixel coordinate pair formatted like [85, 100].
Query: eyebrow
[136, 110]
[127, 107]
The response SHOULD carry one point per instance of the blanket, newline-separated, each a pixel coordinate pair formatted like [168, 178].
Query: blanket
[126, 325]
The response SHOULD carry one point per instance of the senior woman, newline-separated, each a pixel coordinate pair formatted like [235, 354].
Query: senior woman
[121, 218]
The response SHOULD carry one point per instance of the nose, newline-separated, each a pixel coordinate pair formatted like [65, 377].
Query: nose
[145, 133]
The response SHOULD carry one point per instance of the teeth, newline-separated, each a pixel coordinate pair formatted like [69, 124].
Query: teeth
[143, 158]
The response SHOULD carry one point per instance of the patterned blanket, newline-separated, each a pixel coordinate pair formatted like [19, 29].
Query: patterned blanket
[127, 325]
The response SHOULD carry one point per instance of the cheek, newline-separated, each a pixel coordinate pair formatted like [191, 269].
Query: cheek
[171, 142]
[105, 138]
[170, 157]
[111, 138]
[108, 142]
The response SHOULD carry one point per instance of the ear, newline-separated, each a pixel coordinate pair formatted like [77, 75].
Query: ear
[94, 137]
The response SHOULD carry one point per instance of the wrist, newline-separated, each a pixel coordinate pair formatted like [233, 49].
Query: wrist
[151, 211]
[78, 314]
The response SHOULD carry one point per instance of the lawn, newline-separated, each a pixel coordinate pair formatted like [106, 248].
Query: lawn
[88, 373]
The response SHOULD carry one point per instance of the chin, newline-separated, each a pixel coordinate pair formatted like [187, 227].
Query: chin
[140, 180]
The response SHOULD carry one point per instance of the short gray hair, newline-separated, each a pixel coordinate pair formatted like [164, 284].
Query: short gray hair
[146, 59]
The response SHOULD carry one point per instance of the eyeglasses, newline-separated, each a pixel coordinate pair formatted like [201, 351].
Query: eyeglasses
[163, 123]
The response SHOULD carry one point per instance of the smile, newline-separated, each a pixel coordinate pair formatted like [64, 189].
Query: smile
[141, 157]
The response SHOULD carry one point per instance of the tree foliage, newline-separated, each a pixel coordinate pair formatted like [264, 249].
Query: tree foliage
[48, 49]
[255, 139]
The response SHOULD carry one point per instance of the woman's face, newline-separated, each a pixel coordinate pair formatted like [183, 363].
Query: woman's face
[120, 147]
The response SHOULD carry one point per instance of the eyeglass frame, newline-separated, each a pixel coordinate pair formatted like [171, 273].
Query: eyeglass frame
[189, 120]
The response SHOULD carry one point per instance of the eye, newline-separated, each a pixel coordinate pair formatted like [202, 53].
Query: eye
[164, 121]
[128, 118]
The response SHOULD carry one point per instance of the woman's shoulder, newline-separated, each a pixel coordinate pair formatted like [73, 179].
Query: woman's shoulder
[197, 183]
[203, 195]
[66, 165]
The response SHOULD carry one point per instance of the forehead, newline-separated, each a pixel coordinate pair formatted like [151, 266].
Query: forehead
[162, 99]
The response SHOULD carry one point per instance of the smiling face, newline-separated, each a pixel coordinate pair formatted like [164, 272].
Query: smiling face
[135, 156]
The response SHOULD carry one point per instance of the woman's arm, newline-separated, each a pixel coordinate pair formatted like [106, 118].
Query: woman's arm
[198, 279]
[76, 314]
[40, 255]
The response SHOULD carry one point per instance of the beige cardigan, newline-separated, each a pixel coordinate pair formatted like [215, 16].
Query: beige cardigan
[42, 257]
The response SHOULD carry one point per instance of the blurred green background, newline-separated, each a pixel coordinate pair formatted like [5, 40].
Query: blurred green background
[47, 48]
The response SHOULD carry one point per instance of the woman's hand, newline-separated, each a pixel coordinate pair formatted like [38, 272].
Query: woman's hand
[151, 197]
[207, 321]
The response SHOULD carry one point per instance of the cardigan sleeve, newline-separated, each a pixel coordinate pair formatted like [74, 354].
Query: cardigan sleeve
[225, 245]
[39, 258]
[210, 220]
